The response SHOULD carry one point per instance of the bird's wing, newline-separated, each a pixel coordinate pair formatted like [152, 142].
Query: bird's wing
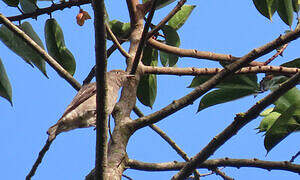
[83, 94]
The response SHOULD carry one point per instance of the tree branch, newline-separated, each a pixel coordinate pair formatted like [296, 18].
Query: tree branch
[211, 71]
[162, 134]
[166, 19]
[209, 164]
[222, 174]
[143, 39]
[49, 10]
[102, 97]
[196, 54]
[212, 82]
[57, 67]
[239, 122]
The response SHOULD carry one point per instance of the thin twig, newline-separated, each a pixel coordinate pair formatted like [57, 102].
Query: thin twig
[222, 174]
[162, 134]
[294, 157]
[49, 10]
[115, 40]
[277, 54]
[166, 19]
[57, 67]
[239, 122]
[143, 39]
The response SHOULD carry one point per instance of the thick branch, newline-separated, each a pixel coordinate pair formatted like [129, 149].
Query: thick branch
[209, 164]
[212, 82]
[239, 122]
[101, 98]
[195, 53]
[49, 10]
[57, 67]
[211, 71]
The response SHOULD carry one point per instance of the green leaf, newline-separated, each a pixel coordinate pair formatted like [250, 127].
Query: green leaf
[286, 100]
[266, 7]
[164, 58]
[181, 16]
[285, 11]
[268, 121]
[221, 96]
[161, 3]
[5, 87]
[273, 82]
[294, 63]
[121, 30]
[232, 82]
[266, 112]
[147, 88]
[18, 46]
[296, 4]
[12, 3]
[37, 60]
[56, 46]
[282, 127]
[28, 6]
[172, 39]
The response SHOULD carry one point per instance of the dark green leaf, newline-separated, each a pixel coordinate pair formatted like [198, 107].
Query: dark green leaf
[18, 46]
[221, 96]
[164, 58]
[282, 127]
[232, 82]
[147, 88]
[285, 11]
[161, 3]
[268, 121]
[296, 4]
[172, 39]
[28, 6]
[12, 3]
[294, 63]
[5, 87]
[286, 100]
[266, 7]
[181, 16]
[271, 82]
[121, 30]
[37, 60]
[56, 46]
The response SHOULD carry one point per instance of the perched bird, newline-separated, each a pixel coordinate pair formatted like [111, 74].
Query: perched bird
[81, 112]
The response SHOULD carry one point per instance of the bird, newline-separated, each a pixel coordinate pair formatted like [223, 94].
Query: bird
[81, 112]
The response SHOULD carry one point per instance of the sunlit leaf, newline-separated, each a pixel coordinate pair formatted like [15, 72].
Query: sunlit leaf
[282, 127]
[266, 7]
[147, 88]
[181, 16]
[285, 11]
[56, 46]
[266, 112]
[268, 121]
[221, 96]
[5, 87]
[172, 39]
[286, 100]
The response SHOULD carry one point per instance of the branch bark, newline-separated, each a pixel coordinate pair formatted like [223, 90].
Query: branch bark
[209, 164]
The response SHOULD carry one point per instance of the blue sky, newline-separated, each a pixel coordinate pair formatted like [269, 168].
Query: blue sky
[231, 27]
